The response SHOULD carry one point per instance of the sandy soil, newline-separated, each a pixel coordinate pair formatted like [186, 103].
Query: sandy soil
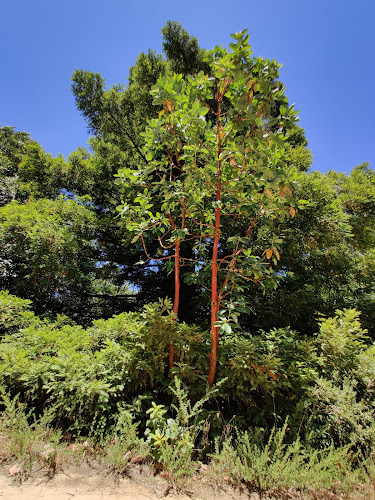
[77, 485]
[62, 487]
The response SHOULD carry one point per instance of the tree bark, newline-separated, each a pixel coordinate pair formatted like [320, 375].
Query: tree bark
[214, 299]
[176, 295]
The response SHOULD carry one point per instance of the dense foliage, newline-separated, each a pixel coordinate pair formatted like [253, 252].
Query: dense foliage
[323, 384]
[201, 156]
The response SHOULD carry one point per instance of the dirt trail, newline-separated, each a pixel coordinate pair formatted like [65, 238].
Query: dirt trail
[77, 486]
[63, 487]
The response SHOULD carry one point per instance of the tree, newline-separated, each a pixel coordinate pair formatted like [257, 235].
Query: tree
[328, 254]
[112, 116]
[47, 254]
[117, 117]
[26, 169]
[217, 151]
[12, 149]
[31, 172]
[182, 50]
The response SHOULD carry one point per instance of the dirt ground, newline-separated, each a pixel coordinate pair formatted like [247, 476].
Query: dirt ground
[85, 482]
[75, 484]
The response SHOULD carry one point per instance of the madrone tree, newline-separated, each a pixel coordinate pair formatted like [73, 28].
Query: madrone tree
[217, 151]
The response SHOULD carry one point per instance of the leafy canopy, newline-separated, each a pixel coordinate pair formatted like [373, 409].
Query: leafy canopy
[225, 133]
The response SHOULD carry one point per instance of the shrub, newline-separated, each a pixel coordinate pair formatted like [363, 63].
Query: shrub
[86, 373]
[336, 414]
[173, 440]
[267, 375]
[274, 465]
[366, 371]
[24, 438]
[338, 406]
[341, 339]
[121, 444]
[324, 385]
[15, 313]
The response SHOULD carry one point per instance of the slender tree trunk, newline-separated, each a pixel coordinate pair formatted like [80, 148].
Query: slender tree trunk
[176, 294]
[214, 299]
[214, 268]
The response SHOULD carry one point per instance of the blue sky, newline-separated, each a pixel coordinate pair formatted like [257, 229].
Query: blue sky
[326, 48]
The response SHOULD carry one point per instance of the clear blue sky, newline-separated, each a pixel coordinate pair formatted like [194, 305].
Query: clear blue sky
[326, 48]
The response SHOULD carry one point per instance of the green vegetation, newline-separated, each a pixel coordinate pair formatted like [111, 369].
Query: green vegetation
[261, 372]
[283, 403]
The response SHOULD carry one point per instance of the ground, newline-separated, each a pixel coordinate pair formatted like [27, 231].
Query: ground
[75, 483]
[93, 482]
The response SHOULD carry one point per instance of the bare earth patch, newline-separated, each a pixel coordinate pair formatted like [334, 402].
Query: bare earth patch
[75, 484]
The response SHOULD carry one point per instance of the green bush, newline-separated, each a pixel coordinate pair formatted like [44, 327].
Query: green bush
[86, 373]
[366, 370]
[274, 465]
[173, 433]
[341, 339]
[324, 385]
[15, 313]
[26, 438]
[338, 415]
[267, 375]
[122, 443]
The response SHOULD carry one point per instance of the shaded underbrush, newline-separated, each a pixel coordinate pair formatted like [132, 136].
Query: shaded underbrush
[288, 412]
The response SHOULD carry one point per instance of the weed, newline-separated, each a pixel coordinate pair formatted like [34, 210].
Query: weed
[123, 445]
[25, 442]
[277, 466]
[173, 440]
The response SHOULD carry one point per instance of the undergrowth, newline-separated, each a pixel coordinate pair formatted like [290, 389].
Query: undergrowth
[25, 439]
[171, 445]
[287, 412]
[275, 465]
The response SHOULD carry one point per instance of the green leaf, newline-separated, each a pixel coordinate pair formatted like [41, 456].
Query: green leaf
[203, 111]
[226, 328]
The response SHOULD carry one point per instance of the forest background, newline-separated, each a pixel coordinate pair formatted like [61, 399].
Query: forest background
[295, 336]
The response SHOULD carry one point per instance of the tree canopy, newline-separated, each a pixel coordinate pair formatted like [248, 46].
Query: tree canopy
[325, 250]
